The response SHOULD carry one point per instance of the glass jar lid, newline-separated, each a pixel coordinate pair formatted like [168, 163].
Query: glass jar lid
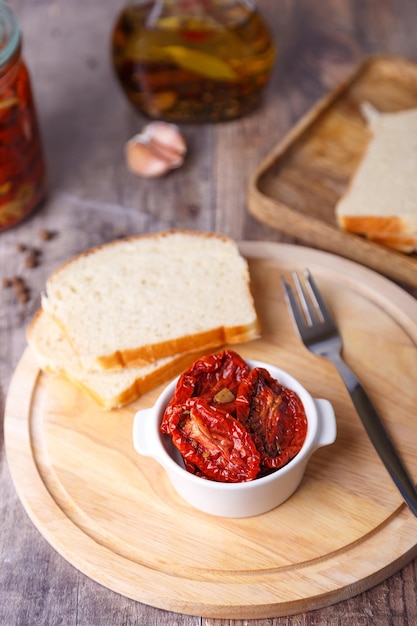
[9, 33]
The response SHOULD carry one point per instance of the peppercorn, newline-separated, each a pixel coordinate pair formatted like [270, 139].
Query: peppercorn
[32, 259]
[45, 234]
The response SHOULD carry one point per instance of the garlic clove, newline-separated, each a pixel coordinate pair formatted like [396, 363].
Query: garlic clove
[173, 158]
[143, 161]
[167, 136]
[159, 148]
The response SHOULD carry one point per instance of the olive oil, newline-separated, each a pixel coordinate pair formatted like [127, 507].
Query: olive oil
[192, 61]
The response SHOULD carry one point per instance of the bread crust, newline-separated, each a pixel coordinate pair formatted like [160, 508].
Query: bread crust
[141, 384]
[138, 388]
[391, 225]
[202, 341]
[400, 243]
[390, 232]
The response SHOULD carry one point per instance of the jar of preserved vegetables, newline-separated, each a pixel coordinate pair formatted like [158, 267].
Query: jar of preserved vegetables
[192, 60]
[22, 168]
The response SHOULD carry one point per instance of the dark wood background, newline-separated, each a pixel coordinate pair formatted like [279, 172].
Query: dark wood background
[93, 198]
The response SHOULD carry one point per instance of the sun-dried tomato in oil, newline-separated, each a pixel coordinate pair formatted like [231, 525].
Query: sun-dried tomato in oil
[231, 424]
[213, 442]
[22, 167]
[201, 419]
[274, 415]
[215, 378]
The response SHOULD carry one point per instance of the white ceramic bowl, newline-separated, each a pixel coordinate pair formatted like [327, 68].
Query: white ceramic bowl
[235, 499]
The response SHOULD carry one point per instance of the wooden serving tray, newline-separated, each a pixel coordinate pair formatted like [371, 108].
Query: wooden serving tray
[114, 515]
[296, 188]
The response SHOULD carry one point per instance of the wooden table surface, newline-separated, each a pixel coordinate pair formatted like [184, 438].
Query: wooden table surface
[93, 198]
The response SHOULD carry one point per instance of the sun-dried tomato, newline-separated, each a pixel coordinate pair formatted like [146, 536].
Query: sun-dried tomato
[215, 378]
[274, 415]
[231, 424]
[212, 443]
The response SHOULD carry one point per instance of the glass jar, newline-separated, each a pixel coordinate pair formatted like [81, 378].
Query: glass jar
[22, 168]
[192, 60]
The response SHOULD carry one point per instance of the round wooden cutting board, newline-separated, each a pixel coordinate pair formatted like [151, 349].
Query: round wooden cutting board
[114, 516]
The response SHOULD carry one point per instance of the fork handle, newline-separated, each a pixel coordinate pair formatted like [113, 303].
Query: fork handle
[378, 434]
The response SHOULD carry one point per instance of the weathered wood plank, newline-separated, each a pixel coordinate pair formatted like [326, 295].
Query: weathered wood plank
[93, 198]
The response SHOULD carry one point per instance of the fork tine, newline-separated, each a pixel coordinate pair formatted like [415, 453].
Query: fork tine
[294, 307]
[308, 307]
[317, 298]
[309, 311]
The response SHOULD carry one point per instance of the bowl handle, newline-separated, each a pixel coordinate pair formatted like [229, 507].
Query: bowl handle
[141, 431]
[327, 422]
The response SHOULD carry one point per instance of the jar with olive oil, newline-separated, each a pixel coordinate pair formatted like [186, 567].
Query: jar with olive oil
[192, 60]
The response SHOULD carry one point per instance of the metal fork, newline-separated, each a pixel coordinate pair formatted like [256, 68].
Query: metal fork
[320, 335]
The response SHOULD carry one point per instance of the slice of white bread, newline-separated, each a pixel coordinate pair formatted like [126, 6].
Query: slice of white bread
[109, 389]
[381, 200]
[143, 298]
